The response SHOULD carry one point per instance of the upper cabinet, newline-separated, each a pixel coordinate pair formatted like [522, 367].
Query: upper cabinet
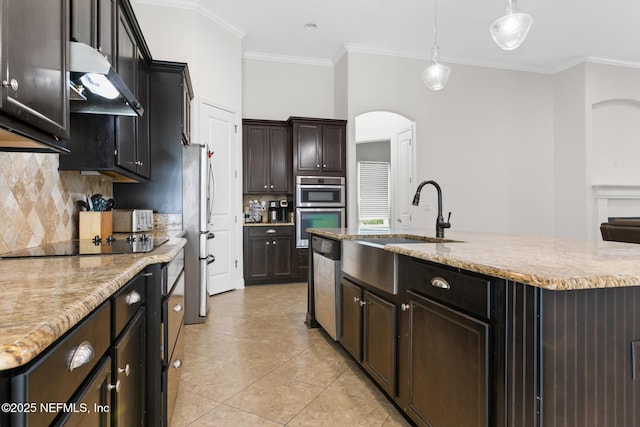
[267, 157]
[116, 145]
[319, 146]
[34, 104]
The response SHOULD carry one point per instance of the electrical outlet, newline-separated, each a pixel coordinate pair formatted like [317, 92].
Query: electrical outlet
[635, 360]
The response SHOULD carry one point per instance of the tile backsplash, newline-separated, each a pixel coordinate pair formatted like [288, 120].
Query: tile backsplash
[38, 202]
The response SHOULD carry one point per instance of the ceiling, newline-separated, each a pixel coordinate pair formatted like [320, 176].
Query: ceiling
[564, 32]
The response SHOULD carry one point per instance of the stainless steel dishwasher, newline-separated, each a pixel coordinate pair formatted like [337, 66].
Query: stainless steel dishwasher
[326, 279]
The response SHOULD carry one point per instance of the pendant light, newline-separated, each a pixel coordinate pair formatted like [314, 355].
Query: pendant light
[510, 30]
[436, 75]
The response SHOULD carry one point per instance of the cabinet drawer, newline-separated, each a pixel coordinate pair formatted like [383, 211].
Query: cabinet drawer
[171, 378]
[174, 268]
[126, 303]
[173, 314]
[52, 378]
[469, 293]
[267, 231]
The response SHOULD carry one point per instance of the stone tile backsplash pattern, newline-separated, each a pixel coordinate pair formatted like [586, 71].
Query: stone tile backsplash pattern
[38, 202]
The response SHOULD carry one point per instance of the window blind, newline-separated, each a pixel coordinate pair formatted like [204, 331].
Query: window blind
[373, 190]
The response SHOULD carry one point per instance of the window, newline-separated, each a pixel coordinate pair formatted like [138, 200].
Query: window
[374, 206]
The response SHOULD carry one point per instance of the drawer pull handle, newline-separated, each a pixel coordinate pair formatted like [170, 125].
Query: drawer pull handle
[115, 386]
[177, 308]
[133, 298]
[80, 356]
[126, 370]
[271, 231]
[439, 282]
[177, 363]
[404, 307]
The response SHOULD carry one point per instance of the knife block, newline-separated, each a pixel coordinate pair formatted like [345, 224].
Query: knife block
[93, 224]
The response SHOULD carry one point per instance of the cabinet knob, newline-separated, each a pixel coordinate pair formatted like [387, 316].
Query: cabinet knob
[356, 299]
[80, 356]
[271, 186]
[274, 242]
[115, 386]
[177, 308]
[362, 303]
[404, 307]
[133, 298]
[126, 370]
[265, 186]
[317, 166]
[324, 166]
[177, 363]
[13, 84]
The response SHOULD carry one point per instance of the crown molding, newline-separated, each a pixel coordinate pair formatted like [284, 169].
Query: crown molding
[301, 60]
[196, 5]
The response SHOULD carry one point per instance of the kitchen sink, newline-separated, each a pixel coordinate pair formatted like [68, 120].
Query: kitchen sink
[366, 260]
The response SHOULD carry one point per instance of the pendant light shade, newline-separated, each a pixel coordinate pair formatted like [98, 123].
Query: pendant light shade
[510, 30]
[436, 75]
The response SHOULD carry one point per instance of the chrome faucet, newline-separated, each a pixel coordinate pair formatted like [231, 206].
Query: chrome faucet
[441, 224]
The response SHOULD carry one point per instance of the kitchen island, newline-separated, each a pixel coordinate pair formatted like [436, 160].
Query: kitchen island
[498, 330]
[67, 318]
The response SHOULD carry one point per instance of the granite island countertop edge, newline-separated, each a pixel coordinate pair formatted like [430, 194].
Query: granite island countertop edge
[549, 263]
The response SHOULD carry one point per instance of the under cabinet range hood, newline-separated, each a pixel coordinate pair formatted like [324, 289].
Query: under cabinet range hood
[95, 87]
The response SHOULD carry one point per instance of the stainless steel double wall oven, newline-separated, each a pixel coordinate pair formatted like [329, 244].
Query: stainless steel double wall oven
[320, 203]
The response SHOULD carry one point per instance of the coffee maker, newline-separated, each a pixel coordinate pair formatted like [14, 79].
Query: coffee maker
[278, 211]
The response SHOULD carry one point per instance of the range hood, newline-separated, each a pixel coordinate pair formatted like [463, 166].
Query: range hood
[91, 74]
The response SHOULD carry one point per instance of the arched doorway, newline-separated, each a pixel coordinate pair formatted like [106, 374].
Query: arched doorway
[384, 163]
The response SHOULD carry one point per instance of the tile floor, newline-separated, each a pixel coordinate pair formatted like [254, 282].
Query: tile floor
[254, 363]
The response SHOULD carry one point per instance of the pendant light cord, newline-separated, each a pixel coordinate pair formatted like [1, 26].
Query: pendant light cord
[435, 23]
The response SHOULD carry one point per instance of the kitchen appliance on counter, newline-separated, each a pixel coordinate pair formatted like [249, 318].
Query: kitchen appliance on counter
[109, 246]
[278, 211]
[132, 220]
[320, 203]
[198, 197]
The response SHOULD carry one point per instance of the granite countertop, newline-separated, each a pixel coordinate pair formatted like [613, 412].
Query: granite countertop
[42, 298]
[545, 262]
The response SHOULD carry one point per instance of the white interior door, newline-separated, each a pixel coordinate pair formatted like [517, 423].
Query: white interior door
[218, 128]
[404, 178]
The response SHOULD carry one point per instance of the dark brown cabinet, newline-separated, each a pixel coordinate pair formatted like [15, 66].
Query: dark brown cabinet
[448, 366]
[129, 354]
[267, 254]
[118, 146]
[368, 325]
[92, 24]
[34, 99]
[267, 157]
[319, 146]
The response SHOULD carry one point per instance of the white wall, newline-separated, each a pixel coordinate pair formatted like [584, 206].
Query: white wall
[486, 138]
[278, 90]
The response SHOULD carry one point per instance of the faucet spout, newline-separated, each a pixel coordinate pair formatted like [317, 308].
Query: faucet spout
[441, 224]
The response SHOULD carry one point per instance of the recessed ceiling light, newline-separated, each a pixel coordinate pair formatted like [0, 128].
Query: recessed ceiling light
[310, 26]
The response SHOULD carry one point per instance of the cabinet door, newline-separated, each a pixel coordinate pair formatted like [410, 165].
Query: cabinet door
[143, 149]
[105, 32]
[448, 366]
[97, 398]
[257, 258]
[333, 148]
[379, 341]
[308, 143]
[351, 318]
[279, 160]
[84, 26]
[281, 257]
[129, 371]
[256, 161]
[186, 114]
[35, 40]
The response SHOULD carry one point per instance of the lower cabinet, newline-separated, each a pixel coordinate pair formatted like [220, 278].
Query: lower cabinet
[369, 326]
[448, 365]
[268, 254]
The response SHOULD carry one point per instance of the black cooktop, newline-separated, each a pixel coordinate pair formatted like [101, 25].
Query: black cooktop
[110, 246]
